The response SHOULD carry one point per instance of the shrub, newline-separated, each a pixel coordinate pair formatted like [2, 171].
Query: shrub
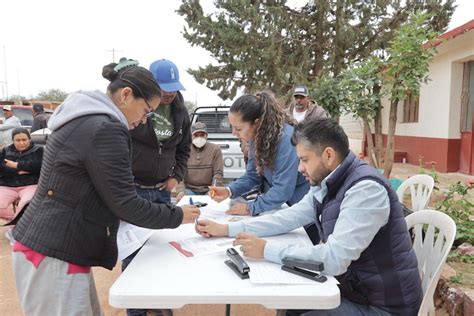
[457, 205]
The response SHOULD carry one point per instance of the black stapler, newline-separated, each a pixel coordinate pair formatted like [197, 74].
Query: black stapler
[305, 268]
[237, 263]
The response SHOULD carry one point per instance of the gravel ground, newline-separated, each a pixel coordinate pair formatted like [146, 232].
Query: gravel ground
[9, 305]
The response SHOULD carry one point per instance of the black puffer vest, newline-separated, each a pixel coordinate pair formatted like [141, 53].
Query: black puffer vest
[386, 273]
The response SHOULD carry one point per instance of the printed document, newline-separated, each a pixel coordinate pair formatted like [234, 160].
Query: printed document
[130, 238]
[214, 211]
[266, 272]
[200, 246]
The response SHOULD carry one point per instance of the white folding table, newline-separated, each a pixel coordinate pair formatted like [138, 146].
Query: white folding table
[161, 278]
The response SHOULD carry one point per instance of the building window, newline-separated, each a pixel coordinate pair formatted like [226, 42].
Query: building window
[467, 97]
[410, 108]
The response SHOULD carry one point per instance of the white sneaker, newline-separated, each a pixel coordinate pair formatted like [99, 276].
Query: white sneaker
[9, 236]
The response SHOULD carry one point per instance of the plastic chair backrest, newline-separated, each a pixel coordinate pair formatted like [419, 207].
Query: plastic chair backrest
[421, 186]
[431, 247]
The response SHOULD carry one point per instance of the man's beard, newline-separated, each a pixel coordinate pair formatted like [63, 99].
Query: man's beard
[317, 182]
[300, 106]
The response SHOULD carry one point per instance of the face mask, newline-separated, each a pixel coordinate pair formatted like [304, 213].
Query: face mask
[199, 142]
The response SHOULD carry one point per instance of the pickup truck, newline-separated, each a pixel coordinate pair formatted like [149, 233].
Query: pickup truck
[220, 132]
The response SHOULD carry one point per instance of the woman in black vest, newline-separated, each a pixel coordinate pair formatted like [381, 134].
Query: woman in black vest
[20, 165]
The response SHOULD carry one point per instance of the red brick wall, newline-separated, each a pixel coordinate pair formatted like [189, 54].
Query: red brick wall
[445, 152]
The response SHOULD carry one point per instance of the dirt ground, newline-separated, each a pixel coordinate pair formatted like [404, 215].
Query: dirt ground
[9, 305]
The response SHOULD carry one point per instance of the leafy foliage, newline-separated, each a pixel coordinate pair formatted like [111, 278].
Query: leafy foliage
[432, 172]
[457, 205]
[17, 97]
[266, 43]
[361, 83]
[52, 95]
[409, 56]
[329, 93]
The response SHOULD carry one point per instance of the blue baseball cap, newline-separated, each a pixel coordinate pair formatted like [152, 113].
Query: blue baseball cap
[167, 75]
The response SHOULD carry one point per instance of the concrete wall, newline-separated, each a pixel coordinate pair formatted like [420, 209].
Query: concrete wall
[440, 98]
[354, 131]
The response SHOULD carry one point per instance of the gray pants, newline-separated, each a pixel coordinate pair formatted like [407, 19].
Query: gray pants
[49, 290]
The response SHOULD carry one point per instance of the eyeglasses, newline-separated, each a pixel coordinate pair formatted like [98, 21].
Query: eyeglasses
[149, 109]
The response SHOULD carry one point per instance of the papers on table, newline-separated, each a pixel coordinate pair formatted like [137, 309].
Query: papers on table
[266, 272]
[200, 246]
[130, 238]
[261, 271]
[214, 211]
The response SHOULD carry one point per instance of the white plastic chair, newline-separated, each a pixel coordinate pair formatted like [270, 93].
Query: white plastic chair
[431, 251]
[421, 186]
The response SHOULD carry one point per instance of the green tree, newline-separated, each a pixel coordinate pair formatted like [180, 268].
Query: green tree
[52, 95]
[400, 73]
[17, 97]
[265, 43]
[407, 67]
[329, 92]
[362, 84]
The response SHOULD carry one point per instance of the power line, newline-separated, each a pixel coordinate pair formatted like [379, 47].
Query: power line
[113, 50]
[5, 63]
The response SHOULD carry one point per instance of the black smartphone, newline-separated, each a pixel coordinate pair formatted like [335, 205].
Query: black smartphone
[200, 204]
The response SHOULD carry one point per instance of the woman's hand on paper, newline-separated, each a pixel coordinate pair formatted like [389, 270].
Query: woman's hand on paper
[209, 228]
[238, 209]
[190, 213]
[218, 194]
[250, 245]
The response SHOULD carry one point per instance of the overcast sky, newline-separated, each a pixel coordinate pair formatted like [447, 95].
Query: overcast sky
[64, 44]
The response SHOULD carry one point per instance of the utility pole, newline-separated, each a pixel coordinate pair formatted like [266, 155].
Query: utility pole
[5, 64]
[19, 92]
[113, 50]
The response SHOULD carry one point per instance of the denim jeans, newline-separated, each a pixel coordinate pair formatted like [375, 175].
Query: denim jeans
[191, 192]
[345, 308]
[156, 196]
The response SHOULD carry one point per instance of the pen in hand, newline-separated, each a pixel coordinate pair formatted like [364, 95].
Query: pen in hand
[191, 202]
[214, 184]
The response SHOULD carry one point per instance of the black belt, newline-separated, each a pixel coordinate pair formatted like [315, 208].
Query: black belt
[155, 186]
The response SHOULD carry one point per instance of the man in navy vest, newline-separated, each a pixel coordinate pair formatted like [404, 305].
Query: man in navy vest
[364, 238]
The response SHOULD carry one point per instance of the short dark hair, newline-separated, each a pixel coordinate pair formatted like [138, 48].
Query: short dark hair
[321, 133]
[38, 107]
[20, 130]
